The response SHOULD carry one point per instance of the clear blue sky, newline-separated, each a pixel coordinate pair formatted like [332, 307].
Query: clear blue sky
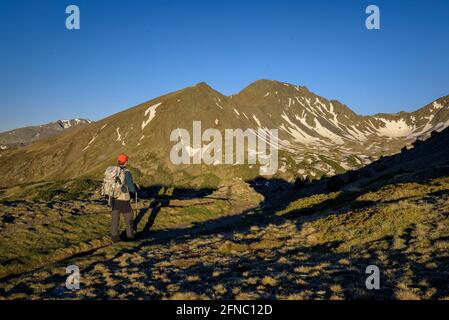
[128, 52]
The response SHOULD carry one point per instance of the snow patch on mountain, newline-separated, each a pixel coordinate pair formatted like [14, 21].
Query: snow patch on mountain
[90, 142]
[323, 131]
[437, 105]
[119, 136]
[395, 128]
[152, 111]
[66, 124]
[318, 101]
[356, 133]
[428, 126]
[299, 101]
[302, 120]
[295, 131]
[190, 151]
[257, 120]
[264, 135]
[95, 136]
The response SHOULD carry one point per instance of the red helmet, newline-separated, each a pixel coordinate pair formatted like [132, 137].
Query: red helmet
[122, 158]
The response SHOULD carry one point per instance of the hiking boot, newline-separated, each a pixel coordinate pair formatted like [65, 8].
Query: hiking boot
[115, 239]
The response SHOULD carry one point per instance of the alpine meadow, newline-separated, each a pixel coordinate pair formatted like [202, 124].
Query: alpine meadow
[232, 150]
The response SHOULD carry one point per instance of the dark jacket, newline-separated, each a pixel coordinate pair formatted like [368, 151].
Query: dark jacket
[129, 181]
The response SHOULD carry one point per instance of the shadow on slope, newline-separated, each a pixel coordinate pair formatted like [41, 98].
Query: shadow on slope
[255, 256]
[65, 219]
[274, 251]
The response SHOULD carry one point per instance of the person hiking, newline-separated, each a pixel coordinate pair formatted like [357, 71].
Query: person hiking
[119, 186]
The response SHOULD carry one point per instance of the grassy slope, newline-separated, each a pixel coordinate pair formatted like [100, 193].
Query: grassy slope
[37, 233]
[299, 244]
[316, 247]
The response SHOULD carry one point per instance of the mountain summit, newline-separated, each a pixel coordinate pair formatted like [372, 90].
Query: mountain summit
[24, 136]
[316, 136]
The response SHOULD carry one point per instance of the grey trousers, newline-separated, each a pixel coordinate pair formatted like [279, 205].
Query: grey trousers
[116, 222]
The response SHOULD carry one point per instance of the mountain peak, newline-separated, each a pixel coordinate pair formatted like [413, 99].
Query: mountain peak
[202, 89]
[203, 84]
[269, 88]
[27, 135]
[265, 85]
[267, 82]
[65, 124]
[317, 136]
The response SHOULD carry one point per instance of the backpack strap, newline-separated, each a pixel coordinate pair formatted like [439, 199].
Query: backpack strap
[124, 182]
[122, 170]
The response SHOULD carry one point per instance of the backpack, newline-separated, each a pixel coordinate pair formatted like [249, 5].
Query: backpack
[114, 184]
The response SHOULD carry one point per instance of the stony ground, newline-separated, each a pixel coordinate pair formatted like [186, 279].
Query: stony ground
[313, 247]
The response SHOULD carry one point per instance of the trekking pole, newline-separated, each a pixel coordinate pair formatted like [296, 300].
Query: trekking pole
[135, 213]
[137, 207]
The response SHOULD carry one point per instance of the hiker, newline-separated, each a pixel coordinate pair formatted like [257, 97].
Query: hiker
[118, 185]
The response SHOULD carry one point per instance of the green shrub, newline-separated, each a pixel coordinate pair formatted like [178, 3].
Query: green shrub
[65, 191]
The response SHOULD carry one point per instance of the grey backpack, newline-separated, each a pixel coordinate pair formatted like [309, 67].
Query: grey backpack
[114, 184]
